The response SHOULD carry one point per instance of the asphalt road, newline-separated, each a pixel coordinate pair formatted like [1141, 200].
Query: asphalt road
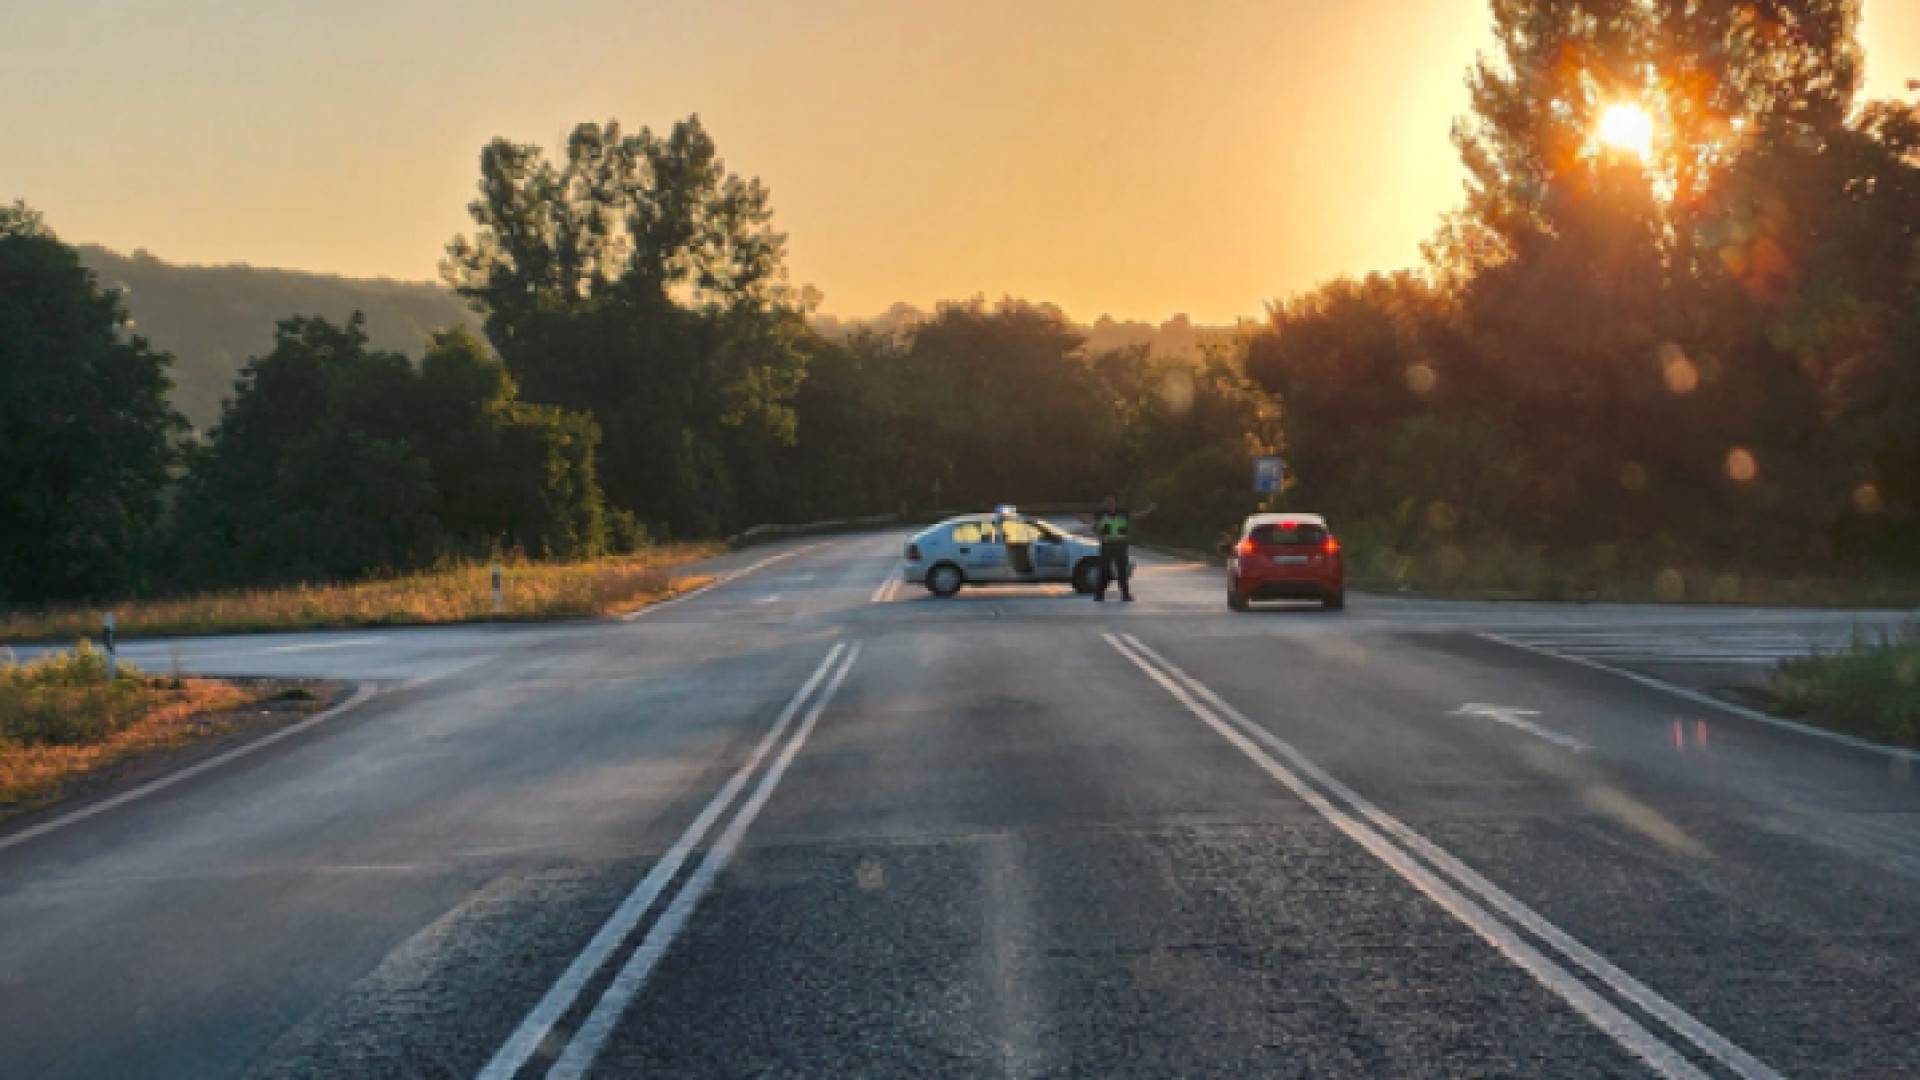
[811, 824]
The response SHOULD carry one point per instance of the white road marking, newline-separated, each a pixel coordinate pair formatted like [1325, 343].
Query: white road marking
[1761, 647]
[1515, 718]
[360, 695]
[1373, 834]
[322, 645]
[578, 1057]
[889, 586]
[770, 598]
[533, 1030]
[1727, 707]
[722, 580]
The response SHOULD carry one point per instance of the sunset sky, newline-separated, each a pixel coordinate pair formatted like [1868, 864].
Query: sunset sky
[1131, 157]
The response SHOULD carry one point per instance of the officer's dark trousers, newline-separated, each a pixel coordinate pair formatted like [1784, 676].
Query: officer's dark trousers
[1113, 567]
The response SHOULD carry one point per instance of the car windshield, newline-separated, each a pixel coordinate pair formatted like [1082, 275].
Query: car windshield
[1041, 538]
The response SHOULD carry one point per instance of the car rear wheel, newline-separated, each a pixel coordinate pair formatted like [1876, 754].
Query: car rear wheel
[944, 580]
[1235, 602]
[1086, 576]
[1336, 601]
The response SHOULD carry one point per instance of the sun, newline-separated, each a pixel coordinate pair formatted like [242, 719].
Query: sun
[1627, 128]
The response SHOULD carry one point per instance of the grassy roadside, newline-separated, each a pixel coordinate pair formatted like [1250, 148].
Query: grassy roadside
[450, 594]
[1871, 690]
[63, 718]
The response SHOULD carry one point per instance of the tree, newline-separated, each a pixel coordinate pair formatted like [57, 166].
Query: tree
[996, 404]
[87, 439]
[1631, 302]
[334, 460]
[641, 281]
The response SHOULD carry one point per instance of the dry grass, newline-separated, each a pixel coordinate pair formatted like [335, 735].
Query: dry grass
[454, 593]
[61, 717]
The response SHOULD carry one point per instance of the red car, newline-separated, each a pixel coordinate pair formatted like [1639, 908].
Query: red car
[1285, 557]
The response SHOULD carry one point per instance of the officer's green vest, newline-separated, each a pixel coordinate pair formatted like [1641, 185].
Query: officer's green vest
[1112, 528]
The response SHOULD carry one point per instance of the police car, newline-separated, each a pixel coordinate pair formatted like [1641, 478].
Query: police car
[1000, 548]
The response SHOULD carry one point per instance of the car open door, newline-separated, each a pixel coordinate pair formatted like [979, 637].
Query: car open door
[1050, 554]
[984, 553]
[1019, 536]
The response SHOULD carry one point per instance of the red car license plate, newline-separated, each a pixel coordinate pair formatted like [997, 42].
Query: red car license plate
[1289, 560]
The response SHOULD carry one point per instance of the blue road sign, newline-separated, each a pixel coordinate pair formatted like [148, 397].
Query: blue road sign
[1267, 475]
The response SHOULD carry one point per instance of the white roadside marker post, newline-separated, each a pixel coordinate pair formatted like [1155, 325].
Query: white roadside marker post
[499, 598]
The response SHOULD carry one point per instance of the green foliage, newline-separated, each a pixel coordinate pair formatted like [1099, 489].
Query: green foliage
[1192, 435]
[640, 281]
[995, 405]
[334, 460]
[87, 438]
[1871, 690]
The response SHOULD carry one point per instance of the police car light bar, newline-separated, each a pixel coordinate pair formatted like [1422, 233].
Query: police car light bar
[1004, 510]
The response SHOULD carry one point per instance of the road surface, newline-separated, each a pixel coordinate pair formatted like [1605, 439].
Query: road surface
[810, 823]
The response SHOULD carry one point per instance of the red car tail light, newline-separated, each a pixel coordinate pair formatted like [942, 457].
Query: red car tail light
[1333, 546]
[1246, 546]
[913, 552]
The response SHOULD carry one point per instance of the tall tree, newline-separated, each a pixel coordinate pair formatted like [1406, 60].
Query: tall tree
[641, 281]
[87, 438]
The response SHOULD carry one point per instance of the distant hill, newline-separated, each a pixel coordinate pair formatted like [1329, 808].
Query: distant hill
[213, 319]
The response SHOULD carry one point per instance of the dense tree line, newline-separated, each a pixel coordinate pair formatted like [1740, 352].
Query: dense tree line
[331, 460]
[1711, 348]
[638, 280]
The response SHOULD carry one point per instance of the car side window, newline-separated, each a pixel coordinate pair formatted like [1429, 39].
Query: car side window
[966, 534]
[989, 533]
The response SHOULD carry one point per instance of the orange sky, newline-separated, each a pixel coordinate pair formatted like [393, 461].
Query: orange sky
[1132, 157]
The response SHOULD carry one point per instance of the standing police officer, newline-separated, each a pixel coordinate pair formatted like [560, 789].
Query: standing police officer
[1113, 526]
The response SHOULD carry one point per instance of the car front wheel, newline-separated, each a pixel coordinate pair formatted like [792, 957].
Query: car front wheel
[1086, 576]
[944, 580]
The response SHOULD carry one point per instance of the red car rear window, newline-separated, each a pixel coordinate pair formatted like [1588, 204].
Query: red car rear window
[1288, 535]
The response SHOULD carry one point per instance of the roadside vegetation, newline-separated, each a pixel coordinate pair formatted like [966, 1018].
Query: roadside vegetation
[451, 593]
[1871, 690]
[63, 716]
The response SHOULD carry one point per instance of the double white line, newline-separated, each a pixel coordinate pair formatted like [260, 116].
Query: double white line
[1448, 882]
[579, 1051]
[889, 587]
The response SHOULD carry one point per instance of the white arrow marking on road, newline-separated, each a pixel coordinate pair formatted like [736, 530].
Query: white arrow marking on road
[1512, 717]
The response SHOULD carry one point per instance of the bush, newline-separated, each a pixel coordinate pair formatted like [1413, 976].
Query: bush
[67, 699]
[1871, 690]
